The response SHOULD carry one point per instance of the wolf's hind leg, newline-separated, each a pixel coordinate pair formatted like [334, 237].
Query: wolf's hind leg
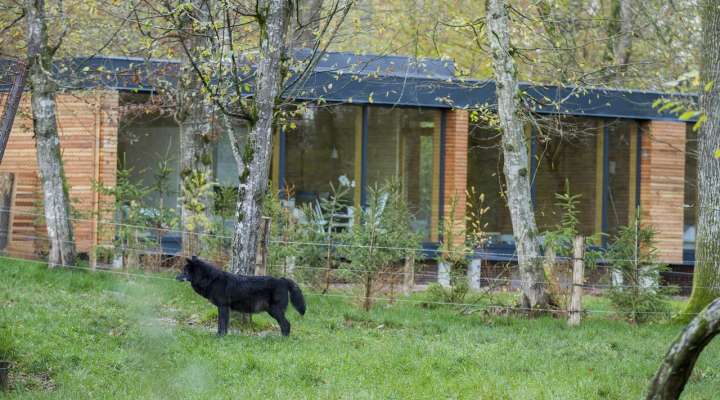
[279, 315]
[223, 320]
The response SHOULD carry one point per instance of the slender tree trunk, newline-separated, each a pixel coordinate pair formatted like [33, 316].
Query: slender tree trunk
[623, 42]
[680, 359]
[515, 154]
[195, 116]
[43, 89]
[706, 280]
[309, 21]
[257, 149]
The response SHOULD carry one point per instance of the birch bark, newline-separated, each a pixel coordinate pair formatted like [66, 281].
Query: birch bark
[42, 92]
[255, 155]
[706, 279]
[515, 155]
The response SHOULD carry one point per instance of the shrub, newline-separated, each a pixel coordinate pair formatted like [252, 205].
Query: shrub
[558, 245]
[632, 254]
[306, 237]
[457, 245]
[380, 241]
[133, 210]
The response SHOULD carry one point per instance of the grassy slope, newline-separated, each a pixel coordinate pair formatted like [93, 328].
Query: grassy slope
[101, 336]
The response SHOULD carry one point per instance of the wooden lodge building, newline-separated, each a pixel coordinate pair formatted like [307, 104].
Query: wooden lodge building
[371, 118]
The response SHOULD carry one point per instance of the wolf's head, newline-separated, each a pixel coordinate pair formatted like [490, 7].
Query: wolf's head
[188, 269]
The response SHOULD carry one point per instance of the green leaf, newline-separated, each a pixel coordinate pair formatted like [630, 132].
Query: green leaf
[717, 153]
[688, 115]
[699, 122]
[708, 86]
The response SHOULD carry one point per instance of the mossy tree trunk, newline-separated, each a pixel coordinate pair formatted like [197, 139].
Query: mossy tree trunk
[706, 280]
[255, 152]
[622, 26]
[680, 359]
[515, 157]
[43, 90]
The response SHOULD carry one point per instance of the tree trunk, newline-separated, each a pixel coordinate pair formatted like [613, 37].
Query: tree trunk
[515, 157]
[7, 181]
[623, 41]
[257, 149]
[309, 21]
[679, 361]
[706, 280]
[194, 117]
[43, 89]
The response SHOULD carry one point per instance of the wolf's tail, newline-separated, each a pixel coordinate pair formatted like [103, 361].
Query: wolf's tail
[296, 296]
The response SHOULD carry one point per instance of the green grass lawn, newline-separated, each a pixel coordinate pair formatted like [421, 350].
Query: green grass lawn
[99, 336]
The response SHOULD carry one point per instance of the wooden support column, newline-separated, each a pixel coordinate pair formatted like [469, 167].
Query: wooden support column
[662, 185]
[633, 188]
[435, 216]
[96, 178]
[455, 167]
[7, 183]
[275, 167]
[600, 176]
[359, 179]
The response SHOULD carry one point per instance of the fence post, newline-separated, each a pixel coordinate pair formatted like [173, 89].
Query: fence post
[409, 274]
[6, 188]
[575, 309]
[290, 267]
[443, 274]
[262, 249]
[475, 273]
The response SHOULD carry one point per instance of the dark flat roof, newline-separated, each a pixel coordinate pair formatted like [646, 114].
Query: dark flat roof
[378, 80]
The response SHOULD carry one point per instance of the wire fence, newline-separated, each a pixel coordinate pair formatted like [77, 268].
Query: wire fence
[288, 269]
[479, 252]
[470, 307]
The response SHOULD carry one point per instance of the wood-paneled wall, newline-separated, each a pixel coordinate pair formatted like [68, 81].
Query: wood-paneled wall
[662, 184]
[87, 124]
[456, 159]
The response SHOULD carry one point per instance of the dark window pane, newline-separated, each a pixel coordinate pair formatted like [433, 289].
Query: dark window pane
[691, 166]
[621, 185]
[319, 151]
[567, 153]
[485, 176]
[402, 144]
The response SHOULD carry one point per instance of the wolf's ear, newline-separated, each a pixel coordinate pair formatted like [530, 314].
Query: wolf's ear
[194, 258]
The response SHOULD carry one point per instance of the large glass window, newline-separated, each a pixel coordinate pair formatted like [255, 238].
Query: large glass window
[622, 182]
[568, 154]
[690, 214]
[320, 150]
[402, 144]
[486, 177]
[142, 143]
[225, 166]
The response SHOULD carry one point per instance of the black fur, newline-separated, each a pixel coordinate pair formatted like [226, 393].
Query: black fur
[248, 294]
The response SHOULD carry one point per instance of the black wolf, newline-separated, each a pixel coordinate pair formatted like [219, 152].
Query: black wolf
[248, 294]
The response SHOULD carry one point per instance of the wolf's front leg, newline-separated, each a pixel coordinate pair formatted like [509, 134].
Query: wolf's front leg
[223, 320]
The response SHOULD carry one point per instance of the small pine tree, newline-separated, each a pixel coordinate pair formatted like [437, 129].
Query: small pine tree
[380, 241]
[633, 256]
